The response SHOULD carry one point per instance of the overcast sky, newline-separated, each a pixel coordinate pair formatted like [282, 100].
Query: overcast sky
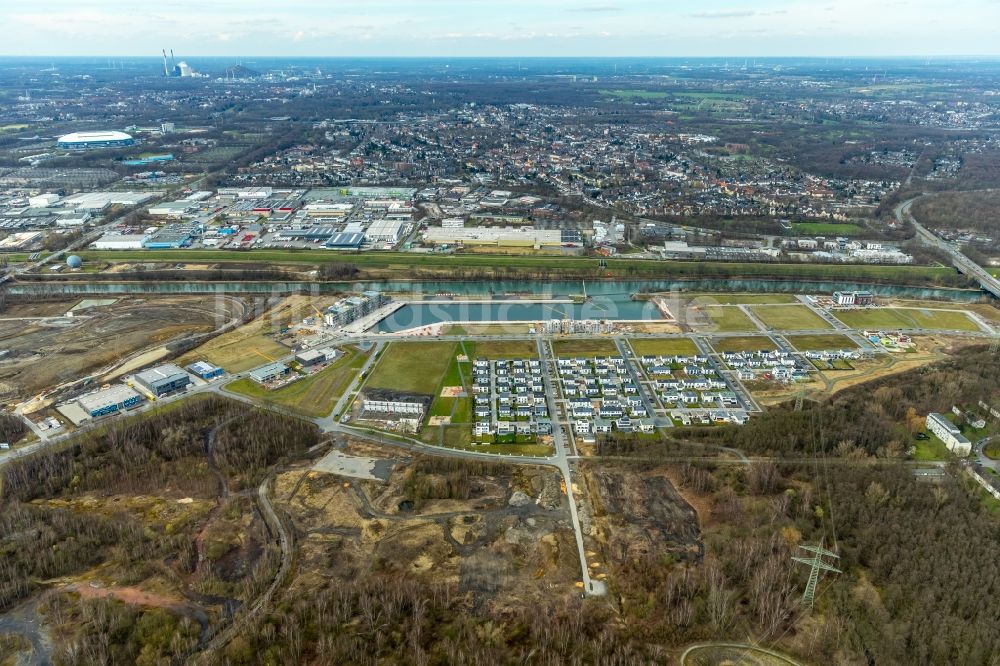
[501, 27]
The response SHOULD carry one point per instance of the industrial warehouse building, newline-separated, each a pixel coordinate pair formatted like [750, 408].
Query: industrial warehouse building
[171, 237]
[115, 241]
[109, 401]
[266, 374]
[311, 357]
[495, 236]
[385, 231]
[163, 379]
[87, 140]
[345, 241]
[205, 370]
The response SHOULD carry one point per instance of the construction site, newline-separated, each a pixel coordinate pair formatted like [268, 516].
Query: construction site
[55, 345]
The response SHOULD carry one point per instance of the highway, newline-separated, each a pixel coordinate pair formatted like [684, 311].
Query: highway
[958, 260]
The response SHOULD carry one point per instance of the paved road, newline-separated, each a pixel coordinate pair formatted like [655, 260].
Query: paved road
[959, 260]
[559, 427]
[983, 459]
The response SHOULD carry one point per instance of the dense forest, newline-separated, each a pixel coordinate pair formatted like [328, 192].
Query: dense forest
[974, 211]
[114, 502]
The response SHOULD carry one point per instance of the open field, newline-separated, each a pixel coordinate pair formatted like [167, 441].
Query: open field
[663, 346]
[596, 347]
[790, 317]
[635, 94]
[821, 342]
[43, 353]
[501, 349]
[241, 349]
[254, 344]
[892, 318]
[510, 328]
[433, 520]
[743, 343]
[727, 319]
[413, 366]
[987, 311]
[826, 229]
[314, 395]
[413, 264]
[742, 299]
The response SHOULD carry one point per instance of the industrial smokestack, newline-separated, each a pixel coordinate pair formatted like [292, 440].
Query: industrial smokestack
[173, 63]
[166, 72]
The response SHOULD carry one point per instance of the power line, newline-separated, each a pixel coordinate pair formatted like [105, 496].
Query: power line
[816, 563]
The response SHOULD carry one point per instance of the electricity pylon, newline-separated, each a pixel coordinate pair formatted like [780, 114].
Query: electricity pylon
[816, 564]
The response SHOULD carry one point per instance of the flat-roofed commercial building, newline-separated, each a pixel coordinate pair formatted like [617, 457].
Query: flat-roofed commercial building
[270, 372]
[205, 370]
[385, 231]
[495, 236]
[113, 241]
[163, 379]
[345, 241]
[311, 357]
[109, 401]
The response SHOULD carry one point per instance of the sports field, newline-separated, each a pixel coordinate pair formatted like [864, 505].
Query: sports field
[728, 319]
[821, 342]
[415, 367]
[789, 317]
[743, 343]
[664, 346]
[892, 318]
[314, 395]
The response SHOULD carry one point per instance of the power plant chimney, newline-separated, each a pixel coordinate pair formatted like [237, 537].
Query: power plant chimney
[166, 72]
[173, 63]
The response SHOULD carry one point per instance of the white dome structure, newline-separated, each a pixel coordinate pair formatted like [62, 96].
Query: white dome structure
[85, 140]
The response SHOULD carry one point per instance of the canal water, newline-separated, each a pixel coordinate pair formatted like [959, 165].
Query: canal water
[600, 307]
[485, 288]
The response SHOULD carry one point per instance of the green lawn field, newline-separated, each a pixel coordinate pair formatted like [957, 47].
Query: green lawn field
[930, 449]
[743, 299]
[416, 367]
[743, 343]
[572, 348]
[826, 229]
[406, 262]
[663, 346]
[313, 395]
[821, 342]
[728, 319]
[497, 349]
[890, 318]
[789, 317]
